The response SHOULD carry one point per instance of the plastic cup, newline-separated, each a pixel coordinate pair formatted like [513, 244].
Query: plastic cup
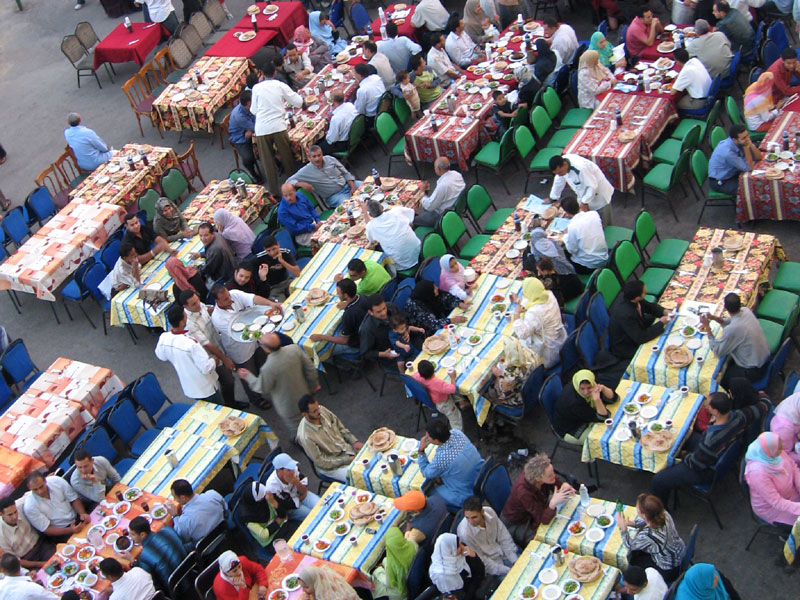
[498, 315]
[699, 359]
[354, 540]
[305, 539]
[409, 366]
[384, 467]
[340, 501]
[655, 347]
[609, 423]
[450, 370]
[668, 424]
[365, 461]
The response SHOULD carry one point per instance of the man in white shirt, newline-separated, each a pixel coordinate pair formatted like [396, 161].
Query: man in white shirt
[392, 230]
[53, 507]
[17, 537]
[159, 11]
[693, 79]
[298, 65]
[460, 47]
[269, 107]
[483, 531]
[562, 39]
[398, 49]
[585, 240]
[136, 584]
[369, 92]
[431, 15]
[195, 368]
[380, 63]
[16, 586]
[586, 180]
[444, 196]
[438, 60]
[342, 117]
[92, 477]
[643, 584]
[287, 483]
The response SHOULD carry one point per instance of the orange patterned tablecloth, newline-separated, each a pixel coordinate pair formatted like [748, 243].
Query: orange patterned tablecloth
[223, 78]
[743, 272]
[14, 468]
[115, 183]
[215, 196]
[277, 571]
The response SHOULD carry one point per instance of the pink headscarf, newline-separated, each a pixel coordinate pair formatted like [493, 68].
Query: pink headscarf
[302, 38]
[765, 453]
[448, 279]
[180, 273]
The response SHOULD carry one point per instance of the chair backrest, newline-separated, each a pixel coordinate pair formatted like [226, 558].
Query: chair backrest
[6, 395]
[691, 139]
[779, 359]
[429, 270]
[689, 554]
[97, 443]
[73, 49]
[523, 139]
[496, 488]
[608, 285]
[181, 54]
[776, 33]
[568, 355]
[598, 315]
[623, 33]
[385, 125]
[148, 75]
[164, 63]
[360, 17]
[94, 276]
[561, 83]
[734, 66]
[14, 225]
[53, 180]
[626, 259]
[717, 135]
[644, 229]
[401, 110]
[204, 582]
[178, 579]
[41, 204]
[86, 34]
[124, 422]
[755, 73]
[727, 461]
[549, 394]
[418, 391]
[214, 11]
[403, 292]
[80, 273]
[201, 23]
[109, 254]
[573, 83]
[507, 145]
[284, 239]
[486, 466]
[174, 184]
[478, 200]
[712, 117]
[540, 121]
[700, 167]
[136, 91]
[68, 166]
[602, 27]
[148, 394]
[792, 380]
[433, 246]
[147, 203]
[237, 174]
[357, 129]
[521, 118]
[191, 37]
[734, 114]
[587, 343]
[16, 362]
[388, 289]
[417, 577]
[681, 168]
[452, 228]
[552, 103]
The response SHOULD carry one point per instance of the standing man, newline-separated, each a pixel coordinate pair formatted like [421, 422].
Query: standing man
[369, 92]
[586, 180]
[562, 39]
[19, 538]
[220, 259]
[338, 136]
[380, 63]
[287, 375]
[160, 11]
[398, 49]
[326, 177]
[194, 366]
[241, 126]
[269, 106]
[89, 150]
[448, 187]
[733, 155]
[392, 230]
[53, 507]
[93, 477]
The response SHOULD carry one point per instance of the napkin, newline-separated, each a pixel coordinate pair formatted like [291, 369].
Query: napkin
[618, 54]
[623, 87]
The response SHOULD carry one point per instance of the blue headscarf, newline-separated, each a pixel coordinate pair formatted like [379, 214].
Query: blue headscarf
[766, 449]
[698, 584]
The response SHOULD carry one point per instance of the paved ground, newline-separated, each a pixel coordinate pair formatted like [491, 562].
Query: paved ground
[37, 90]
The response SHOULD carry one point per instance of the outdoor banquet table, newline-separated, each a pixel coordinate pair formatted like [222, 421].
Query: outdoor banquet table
[128, 308]
[792, 543]
[120, 46]
[645, 115]
[404, 192]
[762, 198]
[473, 105]
[402, 19]
[615, 444]
[14, 468]
[115, 183]
[537, 557]
[454, 140]
[278, 570]
[629, 78]
[288, 17]
[199, 460]
[507, 48]
[57, 248]
[103, 511]
[203, 419]
[366, 472]
[180, 106]
[486, 298]
[322, 319]
[369, 547]
[218, 194]
[311, 122]
[610, 549]
[328, 261]
[230, 44]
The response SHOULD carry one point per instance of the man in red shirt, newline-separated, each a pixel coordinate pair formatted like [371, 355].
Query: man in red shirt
[783, 70]
[642, 31]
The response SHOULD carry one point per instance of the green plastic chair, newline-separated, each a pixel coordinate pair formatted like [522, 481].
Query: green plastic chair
[521, 118]
[778, 306]
[575, 117]
[478, 202]
[324, 213]
[542, 123]
[664, 177]
[237, 174]
[495, 155]
[401, 110]
[433, 245]
[523, 140]
[385, 128]
[669, 151]
[788, 277]
[173, 185]
[626, 260]
[668, 253]
[608, 285]
[735, 115]
[773, 332]
[452, 228]
[717, 135]
[700, 174]
[615, 234]
[357, 129]
[705, 126]
[147, 203]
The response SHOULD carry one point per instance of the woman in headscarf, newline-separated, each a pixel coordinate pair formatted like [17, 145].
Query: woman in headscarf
[452, 278]
[702, 582]
[185, 278]
[593, 79]
[581, 404]
[786, 423]
[236, 231]
[169, 223]
[455, 569]
[774, 480]
[759, 107]
[389, 577]
[546, 61]
[263, 520]
[237, 576]
[319, 53]
[605, 51]
[539, 327]
[322, 28]
[547, 259]
[322, 583]
[473, 18]
[428, 307]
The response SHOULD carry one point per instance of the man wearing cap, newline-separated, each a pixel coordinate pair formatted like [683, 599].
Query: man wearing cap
[643, 584]
[286, 483]
[426, 514]
[327, 442]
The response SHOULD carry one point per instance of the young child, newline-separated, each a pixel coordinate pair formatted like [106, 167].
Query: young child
[502, 112]
[400, 340]
[410, 93]
[489, 30]
[452, 278]
[441, 392]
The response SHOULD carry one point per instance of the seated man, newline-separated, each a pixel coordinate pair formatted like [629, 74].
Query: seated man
[371, 276]
[634, 321]
[693, 79]
[327, 442]
[16, 586]
[297, 65]
[297, 214]
[135, 584]
[53, 507]
[429, 88]
[220, 258]
[483, 531]
[326, 177]
[711, 48]
[248, 279]
[93, 477]
[438, 60]
[642, 31]
[588, 182]
[733, 155]
[562, 39]
[19, 538]
[742, 339]
[784, 70]
[195, 515]
[736, 28]
[126, 272]
[643, 584]
[585, 240]
[89, 150]
[369, 92]
[455, 464]
[374, 330]
[425, 514]
[379, 62]
[355, 308]
[286, 485]
[241, 125]
[701, 452]
[144, 239]
[338, 137]
[448, 187]
[392, 230]
[397, 48]
[281, 264]
[162, 551]
[430, 15]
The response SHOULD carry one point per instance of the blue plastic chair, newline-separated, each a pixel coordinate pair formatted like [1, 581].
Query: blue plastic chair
[15, 227]
[602, 27]
[598, 317]
[701, 112]
[688, 555]
[769, 53]
[480, 477]
[587, 343]
[791, 382]
[360, 18]
[388, 290]
[17, 364]
[147, 393]
[285, 240]
[239, 524]
[76, 291]
[97, 443]
[732, 77]
[109, 254]
[336, 13]
[6, 396]
[496, 488]
[530, 396]
[775, 365]
[403, 292]
[41, 204]
[568, 355]
[419, 393]
[15, 301]
[776, 33]
[725, 463]
[548, 396]
[417, 580]
[126, 424]
[430, 270]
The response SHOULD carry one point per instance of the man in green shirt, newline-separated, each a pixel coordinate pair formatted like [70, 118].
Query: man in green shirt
[369, 275]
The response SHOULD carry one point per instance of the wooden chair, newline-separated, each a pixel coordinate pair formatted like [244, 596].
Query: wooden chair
[150, 77]
[141, 102]
[200, 22]
[189, 166]
[68, 167]
[223, 128]
[191, 37]
[80, 59]
[53, 180]
[162, 60]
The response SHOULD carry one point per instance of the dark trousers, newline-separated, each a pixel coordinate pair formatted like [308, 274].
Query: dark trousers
[226, 380]
[751, 374]
[253, 364]
[724, 186]
[42, 551]
[189, 7]
[334, 147]
[676, 476]
[245, 150]
[642, 559]
[215, 398]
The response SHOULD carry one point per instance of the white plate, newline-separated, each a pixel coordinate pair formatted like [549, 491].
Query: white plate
[782, 166]
[276, 318]
[512, 254]
[337, 534]
[111, 538]
[648, 412]
[550, 592]
[69, 550]
[260, 320]
[210, 74]
[410, 445]
[640, 400]
[113, 168]
[502, 283]
[132, 493]
[464, 349]
[694, 343]
[650, 425]
[183, 85]
[154, 508]
[202, 87]
[90, 579]
[633, 411]
[566, 581]
[378, 196]
[268, 328]
[448, 362]
[535, 591]
[595, 510]
[690, 320]
[520, 244]
[622, 434]
[670, 27]
[548, 575]
[120, 508]
[674, 340]
[342, 512]
[237, 327]
[580, 533]
[103, 180]
[474, 343]
[178, 97]
[287, 587]
[641, 66]
[786, 155]
[314, 545]
[288, 326]
[154, 286]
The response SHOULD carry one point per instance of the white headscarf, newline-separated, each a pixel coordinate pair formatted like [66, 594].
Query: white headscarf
[447, 564]
[259, 491]
[789, 408]
[225, 561]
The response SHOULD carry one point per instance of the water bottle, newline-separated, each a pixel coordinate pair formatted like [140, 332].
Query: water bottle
[517, 222]
[376, 178]
[254, 22]
[383, 32]
[647, 83]
[797, 142]
[382, 16]
[452, 339]
[451, 103]
[584, 496]
[519, 23]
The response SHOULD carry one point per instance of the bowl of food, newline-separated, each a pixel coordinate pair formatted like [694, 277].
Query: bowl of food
[120, 508]
[688, 331]
[341, 529]
[86, 577]
[56, 580]
[159, 511]
[576, 528]
[279, 594]
[70, 568]
[498, 308]
[123, 544]
[604, 521]
[529, 591]
[110, 522]
[336, 514]
[291, 582]
[86, 553]
[132, 494]
[474, 340]
[772, 157]
[321, 545]
[630, 409]
[570, 586]
[643, 398]
[68, 550]
[498, 298]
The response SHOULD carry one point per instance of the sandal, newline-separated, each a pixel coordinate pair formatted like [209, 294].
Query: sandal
[263, 404]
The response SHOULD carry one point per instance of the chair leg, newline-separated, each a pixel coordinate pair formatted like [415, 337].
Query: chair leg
[714, 511]
[85, 314]
[131, 333]
[139, 121]
[14, 302]
[383, 382]
[55, 314]
[752, 539]
[97, 79]
[66, 309]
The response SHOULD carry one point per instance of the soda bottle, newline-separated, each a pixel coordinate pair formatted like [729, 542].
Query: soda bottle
[618, 115]
[375, 177]
[143, 154]
[254, 22]
[351, 217]
[198, 77]
[131, 166]
[434, 124]
[785, 140]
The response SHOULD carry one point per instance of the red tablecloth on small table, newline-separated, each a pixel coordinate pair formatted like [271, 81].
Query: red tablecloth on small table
[289, 16]
[405, 28]
[229, 45]
[119, 46]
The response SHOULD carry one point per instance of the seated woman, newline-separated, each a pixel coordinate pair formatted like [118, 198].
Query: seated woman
[263, 520]
[759, 108]
[546, 62]
[389, 577]
[238, 576]
[236, 231]
[169, 223]
[593, 79]
[703, 582]
[657, 543]
[428, 307]
[786, 423]
[318, 51]
[540, 327]
[774, 480]
[455, 569]
[580, 405]
[322, 28]
[605, 51]
[321, 583]
[452, 279]
[473, 21]
[186, 278]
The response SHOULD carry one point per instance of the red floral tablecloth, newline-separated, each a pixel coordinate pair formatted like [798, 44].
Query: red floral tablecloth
[404, 26]
[645, 115]
[652, 53]
[664, 76]
[215, 196]
[454, 139]
[229, 44]
[288, 17]
[467, 103]
[507, 47]
[119, 46]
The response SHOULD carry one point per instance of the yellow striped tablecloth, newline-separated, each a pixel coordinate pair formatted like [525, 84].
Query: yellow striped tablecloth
[126, 307]
[480, 314]
[536, 557]
[324, 319]
[199, 460]
[792, 543]
[603, 442]
[369, 547]
[610, 549]
[330, 260]
[366, 472]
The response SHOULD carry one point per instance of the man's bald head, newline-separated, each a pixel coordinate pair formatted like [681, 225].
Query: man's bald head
[73, 119]
[288, 192]
[441, 165]
[270, 342]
